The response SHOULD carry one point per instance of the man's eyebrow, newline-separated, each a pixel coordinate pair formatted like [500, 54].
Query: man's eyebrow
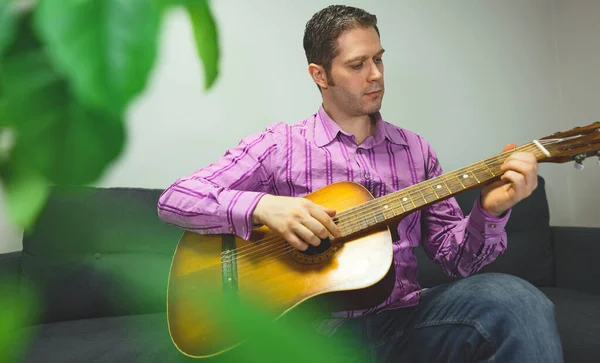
[363, 57]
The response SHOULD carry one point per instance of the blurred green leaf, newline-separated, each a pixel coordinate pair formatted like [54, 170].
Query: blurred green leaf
[66, 142]
[7, 24]
[18, 308]
[90, 142]
[26, 192]
[105, 48]
[34, 97]
[206, 36]
[291, 338]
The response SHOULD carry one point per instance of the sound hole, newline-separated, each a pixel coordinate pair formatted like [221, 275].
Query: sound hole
[317, 250]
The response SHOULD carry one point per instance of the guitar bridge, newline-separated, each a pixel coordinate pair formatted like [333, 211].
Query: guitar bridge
[229, 271]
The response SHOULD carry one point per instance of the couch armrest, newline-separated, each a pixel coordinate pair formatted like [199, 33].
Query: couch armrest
[577, 252]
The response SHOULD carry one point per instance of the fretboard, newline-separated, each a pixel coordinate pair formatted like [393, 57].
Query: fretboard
[387, 208]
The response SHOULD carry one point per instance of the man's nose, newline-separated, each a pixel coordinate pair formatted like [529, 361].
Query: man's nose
[375, 73]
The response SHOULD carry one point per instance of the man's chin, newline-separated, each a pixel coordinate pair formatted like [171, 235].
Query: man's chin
[372, 109]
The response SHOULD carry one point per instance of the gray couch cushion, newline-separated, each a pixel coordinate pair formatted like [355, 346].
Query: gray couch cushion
[128, 339]
[530, 252]
[578, 319]
[99, 252]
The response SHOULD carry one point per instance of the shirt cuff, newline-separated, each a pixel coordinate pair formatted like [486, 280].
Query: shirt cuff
[485, 223]
[237, 208]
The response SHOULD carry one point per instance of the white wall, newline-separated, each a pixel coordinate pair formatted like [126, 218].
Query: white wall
[470, 76]
[578, 40]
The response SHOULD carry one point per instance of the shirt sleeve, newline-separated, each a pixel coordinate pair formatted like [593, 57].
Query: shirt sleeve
[220, 198]
[461, 244]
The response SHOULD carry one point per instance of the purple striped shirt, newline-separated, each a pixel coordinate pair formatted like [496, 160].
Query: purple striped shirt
[294, 160]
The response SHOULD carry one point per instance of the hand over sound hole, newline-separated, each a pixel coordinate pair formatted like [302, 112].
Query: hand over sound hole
[317, 250]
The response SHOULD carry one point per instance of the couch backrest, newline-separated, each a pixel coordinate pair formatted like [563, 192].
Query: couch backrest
[529, 254]
[103, 251]
[99, 252]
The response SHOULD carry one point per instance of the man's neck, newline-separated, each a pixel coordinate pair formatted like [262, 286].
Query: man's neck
[359, 126]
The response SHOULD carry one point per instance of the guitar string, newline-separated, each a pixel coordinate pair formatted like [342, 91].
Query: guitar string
[408, 192]
[266, 244]
[543, 142]
[289, 248]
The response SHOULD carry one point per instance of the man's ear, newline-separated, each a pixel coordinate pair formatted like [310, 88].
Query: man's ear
[318, 75]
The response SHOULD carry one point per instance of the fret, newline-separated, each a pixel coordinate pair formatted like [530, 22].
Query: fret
[343, 229]
[392, 203]
[356, 225]
[459, 180]
[399, 201]
[366, 218]
[422, 195]
[385, 209]
[416, 198]
[467, 178]
[377, 214]
[427, 195]
[439, 189]
[482, 174]
[432, 196]
[341, 223]
[406, 202]
[454, 187]
[494, 165]
[490, 170]
[475, 176]
[362, 224]
[432, 188]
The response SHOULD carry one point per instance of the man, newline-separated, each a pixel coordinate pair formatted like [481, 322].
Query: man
[486, 317]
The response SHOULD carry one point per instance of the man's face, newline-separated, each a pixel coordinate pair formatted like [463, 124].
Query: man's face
[357, 73]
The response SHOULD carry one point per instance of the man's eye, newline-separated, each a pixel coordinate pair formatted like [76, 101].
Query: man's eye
[378, 60]
[357, 66]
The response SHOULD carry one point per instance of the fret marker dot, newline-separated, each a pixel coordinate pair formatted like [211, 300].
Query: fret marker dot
[439, 187]
[465, 176]
[404, 199]
[385, 207]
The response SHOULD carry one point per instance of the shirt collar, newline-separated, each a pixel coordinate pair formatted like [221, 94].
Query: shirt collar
[326, 130]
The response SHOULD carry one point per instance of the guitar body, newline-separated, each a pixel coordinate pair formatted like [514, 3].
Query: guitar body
[271, 274]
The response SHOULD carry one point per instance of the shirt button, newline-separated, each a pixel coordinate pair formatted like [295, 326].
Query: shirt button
[492, 225]
[231, 229]
[367, 176]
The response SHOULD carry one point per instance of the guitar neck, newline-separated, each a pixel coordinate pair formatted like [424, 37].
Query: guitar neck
[393, 206]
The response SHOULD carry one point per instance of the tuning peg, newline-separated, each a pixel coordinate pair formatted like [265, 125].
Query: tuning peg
[579, 162]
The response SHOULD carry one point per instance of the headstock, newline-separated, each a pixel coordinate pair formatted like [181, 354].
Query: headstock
[576, 144]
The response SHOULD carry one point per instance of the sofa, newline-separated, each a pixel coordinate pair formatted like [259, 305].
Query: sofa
[95, 270]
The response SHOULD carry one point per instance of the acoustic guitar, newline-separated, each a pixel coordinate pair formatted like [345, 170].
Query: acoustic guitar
[269, 271]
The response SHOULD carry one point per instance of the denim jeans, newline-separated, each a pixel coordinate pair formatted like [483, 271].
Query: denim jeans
[483, 318]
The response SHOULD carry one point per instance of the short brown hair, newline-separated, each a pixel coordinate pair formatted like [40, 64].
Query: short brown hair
[325, 27]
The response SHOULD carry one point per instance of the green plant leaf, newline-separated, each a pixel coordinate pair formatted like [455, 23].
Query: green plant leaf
[56, 136]
[264, 339]
[34, 97]
[18, 309]
[91, 141]
[206, 36]
[106, 48]
[26, 192]
[7, 24]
